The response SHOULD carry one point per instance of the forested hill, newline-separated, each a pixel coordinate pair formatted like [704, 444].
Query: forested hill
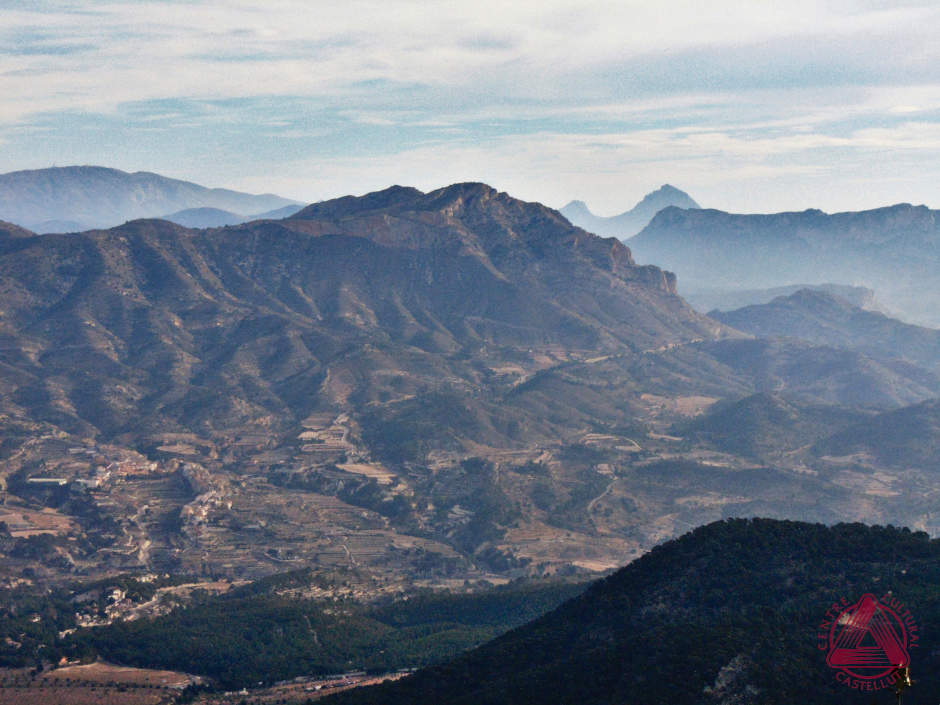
[728, 613]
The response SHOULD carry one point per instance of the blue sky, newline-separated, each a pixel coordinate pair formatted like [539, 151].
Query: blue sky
[749, 106]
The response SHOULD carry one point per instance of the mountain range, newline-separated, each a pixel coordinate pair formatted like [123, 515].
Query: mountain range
[894, 250]
[453, 384]
[632, 221]
[730, 299]
[823, 318]
[74, 198]
[365, 349]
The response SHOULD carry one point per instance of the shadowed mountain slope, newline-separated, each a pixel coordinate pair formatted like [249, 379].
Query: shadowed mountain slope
[9, 231]
[204, 218]
[822, 374]
[908, 437]
[217, 218]
[825, 319]
[763, 423]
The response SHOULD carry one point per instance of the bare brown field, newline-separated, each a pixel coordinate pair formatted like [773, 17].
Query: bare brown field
[377, 472]
[23, 523]
[542, 543]
[91, 684]
[109, 673]
[83, 695]
[684, 405]
[20, 687]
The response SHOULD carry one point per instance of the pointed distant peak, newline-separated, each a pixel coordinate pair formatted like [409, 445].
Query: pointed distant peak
[576, 208]
[669, 188]
[396, 191]
[667, 195]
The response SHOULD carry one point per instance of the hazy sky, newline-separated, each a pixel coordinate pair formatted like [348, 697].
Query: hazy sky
[749, 106]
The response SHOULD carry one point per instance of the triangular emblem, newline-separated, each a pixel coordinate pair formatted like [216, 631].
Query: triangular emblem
[866, 636]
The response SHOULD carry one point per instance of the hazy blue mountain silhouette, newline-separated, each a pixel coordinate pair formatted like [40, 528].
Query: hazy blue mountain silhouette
[631, 221]
[73, 198]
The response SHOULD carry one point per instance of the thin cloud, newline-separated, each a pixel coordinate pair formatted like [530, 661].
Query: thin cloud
[738, 87]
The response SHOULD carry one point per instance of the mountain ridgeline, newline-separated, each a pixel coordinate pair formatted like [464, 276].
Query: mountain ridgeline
[730, 299]
[385, 355]
[893, 250]
[826, 319]
[218, 218]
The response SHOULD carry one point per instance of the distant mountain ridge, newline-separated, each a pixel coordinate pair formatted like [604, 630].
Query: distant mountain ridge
[217, 218]
[731, 299]
[75, 198]
[894, 250]
[632, 221]
[823, 318]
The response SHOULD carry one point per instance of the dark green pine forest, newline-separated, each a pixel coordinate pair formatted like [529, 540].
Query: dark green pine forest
[725, 614]
[267, 631]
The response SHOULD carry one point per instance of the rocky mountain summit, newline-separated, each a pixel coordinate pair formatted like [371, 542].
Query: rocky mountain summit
[318, 298]
[370, 352]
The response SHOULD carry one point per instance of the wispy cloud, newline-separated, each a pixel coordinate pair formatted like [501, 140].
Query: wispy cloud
[594, 98]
